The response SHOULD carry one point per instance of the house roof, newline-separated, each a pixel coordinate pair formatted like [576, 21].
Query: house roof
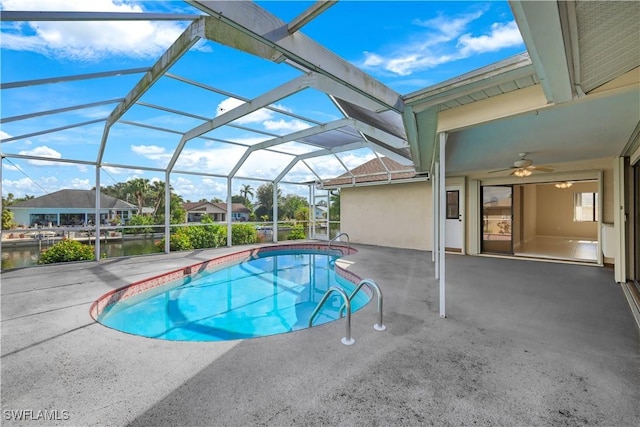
[235, 207]
[378, 169]
[74, 199]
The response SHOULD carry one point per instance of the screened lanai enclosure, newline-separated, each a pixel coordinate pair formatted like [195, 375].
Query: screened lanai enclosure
[167, 128]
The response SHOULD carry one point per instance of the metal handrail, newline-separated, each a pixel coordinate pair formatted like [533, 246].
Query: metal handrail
[373, 285]
[337, 237]
[347, 340]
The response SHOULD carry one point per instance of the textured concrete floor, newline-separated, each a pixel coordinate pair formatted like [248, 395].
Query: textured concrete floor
[525, 343]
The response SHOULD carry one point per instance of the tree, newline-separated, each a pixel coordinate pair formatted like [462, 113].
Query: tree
[140, 188]
[290, 204]
[7, 219]
[334, 210]
[264, 194]
[245, 191]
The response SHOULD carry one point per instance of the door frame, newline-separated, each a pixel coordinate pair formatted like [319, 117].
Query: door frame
[475, 196]
[460, 183]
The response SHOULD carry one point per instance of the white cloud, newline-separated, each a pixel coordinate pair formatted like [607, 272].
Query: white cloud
[446, 39]
[21, 187]
[80, 184]
[42, 151]
[121, 171]
[285, 125]
[502, 35]
[89, 40]
[152, 152]
[258, 116]
[263, 116]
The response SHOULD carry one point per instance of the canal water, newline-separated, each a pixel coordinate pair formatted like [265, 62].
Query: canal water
[18, 256]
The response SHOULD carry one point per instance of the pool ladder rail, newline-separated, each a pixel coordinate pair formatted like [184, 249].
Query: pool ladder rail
[338, 237]
[347, 339]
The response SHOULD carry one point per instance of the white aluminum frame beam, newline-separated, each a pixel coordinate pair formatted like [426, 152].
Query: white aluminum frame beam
[58, 110]
[290, 137]
[241, 98]
[253, 29]
[43, 132]
[30, 15]
[309, 15]
[49, 80]
[319, 153]
[183, 43]
[289, 88]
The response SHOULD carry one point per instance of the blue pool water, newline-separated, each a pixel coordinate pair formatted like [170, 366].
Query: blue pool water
[273, 294]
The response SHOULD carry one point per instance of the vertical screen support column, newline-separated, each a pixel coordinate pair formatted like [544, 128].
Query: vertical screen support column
[275, 212]
[441, 220]
[436, 219]
[167, 212]
[97, 224]
[229, 213]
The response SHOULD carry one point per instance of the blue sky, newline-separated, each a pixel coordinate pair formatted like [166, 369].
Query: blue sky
[406, 45]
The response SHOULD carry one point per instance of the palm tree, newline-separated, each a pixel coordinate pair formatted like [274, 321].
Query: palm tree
[245, 191]
[140, 188]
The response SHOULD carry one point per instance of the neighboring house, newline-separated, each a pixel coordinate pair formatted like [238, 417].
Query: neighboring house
[216, 211]
[388, 215]
[70, 207]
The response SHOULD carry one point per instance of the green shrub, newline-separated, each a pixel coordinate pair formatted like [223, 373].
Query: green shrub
[140, 220]
[243, 234]
[66, 251]
[179, 241]
[208, 236]
[297, 233]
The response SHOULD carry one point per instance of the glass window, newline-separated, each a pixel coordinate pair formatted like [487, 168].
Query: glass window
[585, 207]
[453, 204]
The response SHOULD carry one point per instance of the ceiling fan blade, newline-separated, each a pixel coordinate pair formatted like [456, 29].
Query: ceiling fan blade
[501, 170]
[541, 169]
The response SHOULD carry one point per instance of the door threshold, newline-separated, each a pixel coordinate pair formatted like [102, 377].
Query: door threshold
[543, 259]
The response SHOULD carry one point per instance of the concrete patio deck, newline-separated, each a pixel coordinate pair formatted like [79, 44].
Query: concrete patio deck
[525, 343]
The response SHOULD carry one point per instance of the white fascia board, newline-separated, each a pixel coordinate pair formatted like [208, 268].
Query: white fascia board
[258, 24]
[446, 94]
[539, 24]
[185, 41]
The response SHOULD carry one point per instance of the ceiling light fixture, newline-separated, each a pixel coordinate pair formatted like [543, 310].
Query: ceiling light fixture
[521, 173]
[563, 185]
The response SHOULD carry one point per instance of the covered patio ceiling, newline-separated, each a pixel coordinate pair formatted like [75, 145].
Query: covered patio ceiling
[574, 95]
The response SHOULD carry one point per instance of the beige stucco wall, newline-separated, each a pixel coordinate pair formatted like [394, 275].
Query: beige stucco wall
[530, 214]
[396, 215]
[555, 211]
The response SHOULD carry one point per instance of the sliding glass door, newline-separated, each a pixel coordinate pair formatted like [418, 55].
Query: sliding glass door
[497, 219]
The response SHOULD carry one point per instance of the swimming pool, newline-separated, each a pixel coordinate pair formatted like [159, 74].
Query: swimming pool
[251, 294]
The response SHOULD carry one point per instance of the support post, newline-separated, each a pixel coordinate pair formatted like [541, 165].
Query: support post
[436, 219]
[275, 212]
[229, 213]
[167, 213]
[97, 224]
[441, 219]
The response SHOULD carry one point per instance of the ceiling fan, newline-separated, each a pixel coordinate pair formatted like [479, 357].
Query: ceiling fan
[523, 167]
